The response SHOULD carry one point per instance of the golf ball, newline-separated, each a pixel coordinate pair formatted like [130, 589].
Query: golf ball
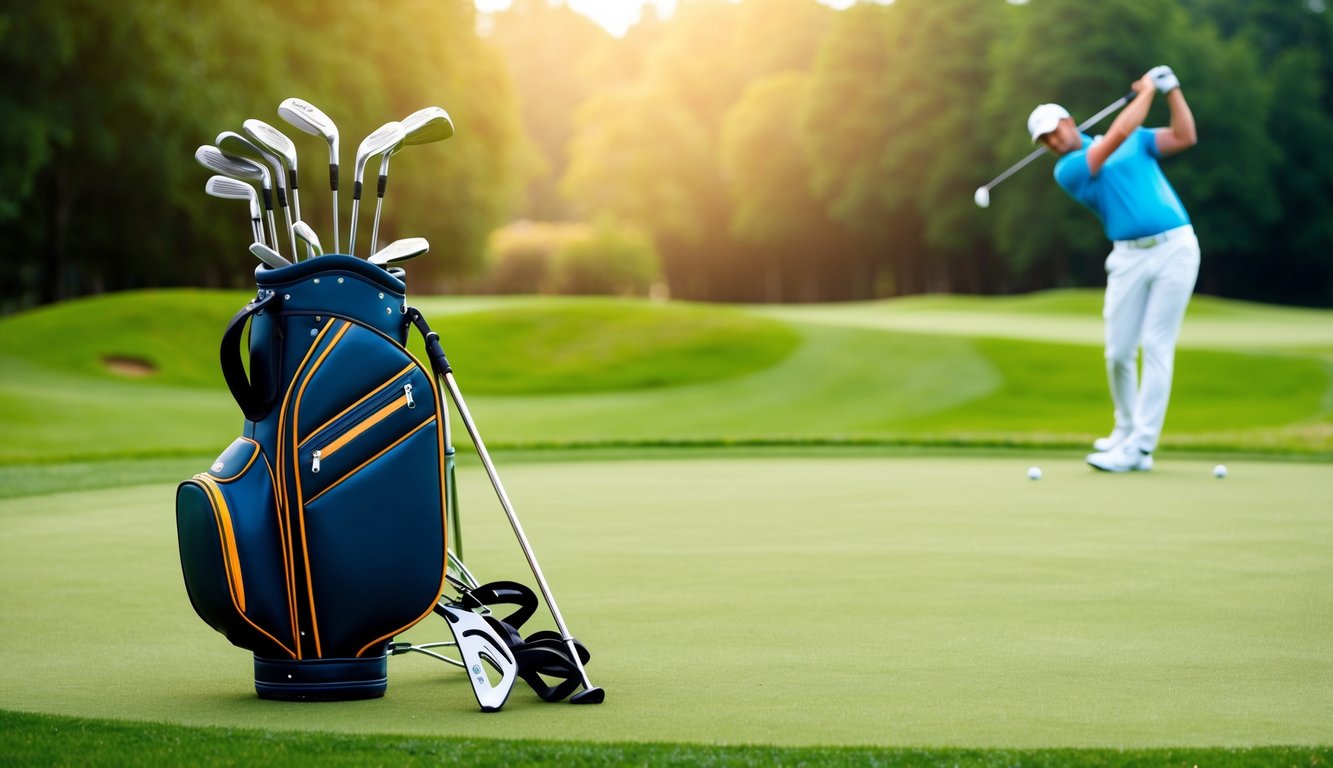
[1034, 473]
[1220, 470]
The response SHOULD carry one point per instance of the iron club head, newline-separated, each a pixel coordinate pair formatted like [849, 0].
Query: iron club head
[400, 251]
[268, 256]
[308, 236]
[382, 139]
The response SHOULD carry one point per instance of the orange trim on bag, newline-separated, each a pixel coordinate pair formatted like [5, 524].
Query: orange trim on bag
[371, 460]
[296, 473]
[231, 559]
[284, 500]
[372, 393]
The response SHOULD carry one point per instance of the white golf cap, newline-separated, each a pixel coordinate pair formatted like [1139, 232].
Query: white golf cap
[1044, 119]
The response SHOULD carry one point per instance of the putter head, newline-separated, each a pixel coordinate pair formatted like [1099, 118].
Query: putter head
[306, 234]
[400, 250]
[426, 126]
[588, 696]
[306, 117]
[214, 160]
[228, 188]
[380, 140]
[271, 139]
[269, 256]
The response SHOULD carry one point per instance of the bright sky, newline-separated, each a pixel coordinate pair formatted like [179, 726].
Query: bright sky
[616, 16]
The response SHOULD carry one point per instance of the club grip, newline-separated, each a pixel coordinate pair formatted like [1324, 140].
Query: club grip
[333, 177]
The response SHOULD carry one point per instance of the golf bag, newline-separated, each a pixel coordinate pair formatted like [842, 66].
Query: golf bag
[323, 531]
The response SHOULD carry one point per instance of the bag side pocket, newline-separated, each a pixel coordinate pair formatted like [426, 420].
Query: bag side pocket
[231, 552]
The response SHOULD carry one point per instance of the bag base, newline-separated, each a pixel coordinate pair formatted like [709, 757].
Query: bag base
[321, 679]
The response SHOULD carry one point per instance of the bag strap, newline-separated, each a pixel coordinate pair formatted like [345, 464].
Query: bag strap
[254, 405]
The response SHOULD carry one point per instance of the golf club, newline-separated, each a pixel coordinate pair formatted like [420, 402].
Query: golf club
[424, 126]
[228, 188]
[308, 118]
[234, 145]
[982, 196]
[382, 139]
[268, 256]
[235, 168]
[308, 236]
[400, 251]
[274, 141]
[280, 176]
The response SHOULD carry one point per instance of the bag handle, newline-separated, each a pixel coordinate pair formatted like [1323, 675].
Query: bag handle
[254, 405]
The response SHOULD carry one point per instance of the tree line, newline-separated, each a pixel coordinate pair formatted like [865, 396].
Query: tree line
[773, 150]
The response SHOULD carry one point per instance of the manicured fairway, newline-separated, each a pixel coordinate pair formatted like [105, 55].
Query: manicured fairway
[903, 600]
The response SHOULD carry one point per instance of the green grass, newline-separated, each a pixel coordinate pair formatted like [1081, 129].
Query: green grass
[748, 517]
[548, 372]
[38, 740]
[914, 601]
[607, 346]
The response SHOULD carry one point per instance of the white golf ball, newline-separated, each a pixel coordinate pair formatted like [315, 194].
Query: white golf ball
[982, 197]
[1220, 470]
[1034, 473]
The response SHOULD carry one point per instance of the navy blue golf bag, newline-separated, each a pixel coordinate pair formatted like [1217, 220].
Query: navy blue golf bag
[321, 532]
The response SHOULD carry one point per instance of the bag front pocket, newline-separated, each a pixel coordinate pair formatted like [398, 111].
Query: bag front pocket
[363, 431]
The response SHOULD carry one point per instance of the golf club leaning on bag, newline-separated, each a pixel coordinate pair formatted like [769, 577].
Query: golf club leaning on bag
[443, 371]
[982, 196]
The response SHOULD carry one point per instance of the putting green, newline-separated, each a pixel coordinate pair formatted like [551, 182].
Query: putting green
[836, 600]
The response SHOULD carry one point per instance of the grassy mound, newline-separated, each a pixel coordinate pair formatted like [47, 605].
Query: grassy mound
[604, 346]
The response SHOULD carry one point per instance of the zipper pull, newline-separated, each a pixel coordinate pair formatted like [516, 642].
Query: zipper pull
[314, 462]
[407, 392]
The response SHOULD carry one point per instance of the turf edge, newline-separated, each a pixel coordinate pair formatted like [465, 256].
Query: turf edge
[41, 740]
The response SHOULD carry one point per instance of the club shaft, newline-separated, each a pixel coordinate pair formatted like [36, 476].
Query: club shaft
[273, 232]
[351, 237]
[337, 245]
[291, 231]
[296, 207]
[523, 543]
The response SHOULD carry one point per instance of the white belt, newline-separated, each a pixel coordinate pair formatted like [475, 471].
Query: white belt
[1157, 239]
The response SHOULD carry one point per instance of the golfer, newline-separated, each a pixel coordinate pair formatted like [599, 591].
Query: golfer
[1154, 261]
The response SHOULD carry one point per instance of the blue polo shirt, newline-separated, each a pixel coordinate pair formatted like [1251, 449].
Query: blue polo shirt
[1131, 194]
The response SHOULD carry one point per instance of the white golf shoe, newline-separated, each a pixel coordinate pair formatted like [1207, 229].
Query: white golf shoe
[1122, 458]
[1116, 437]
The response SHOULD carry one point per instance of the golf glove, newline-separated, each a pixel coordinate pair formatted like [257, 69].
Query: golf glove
[1165, 80]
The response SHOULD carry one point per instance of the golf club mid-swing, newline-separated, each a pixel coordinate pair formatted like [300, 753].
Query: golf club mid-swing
[982, 196]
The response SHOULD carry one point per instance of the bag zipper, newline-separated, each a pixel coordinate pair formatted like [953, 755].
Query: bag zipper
[365, 416]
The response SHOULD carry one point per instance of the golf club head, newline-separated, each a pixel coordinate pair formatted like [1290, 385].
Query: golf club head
[306, 234]
[982, 197]
[308, 118]
[592, 695]
[236, 146]
[425, 126]
[268, 256]
[380, 140]
[214, 160]
[400, 250]
[228, 188]
[273, 140]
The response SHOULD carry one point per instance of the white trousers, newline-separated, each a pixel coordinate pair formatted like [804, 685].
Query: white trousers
[1147, 291]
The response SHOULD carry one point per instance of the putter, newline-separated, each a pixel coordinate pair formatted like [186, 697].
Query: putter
[425, 126]
[308, 118]
[268, 256]
[400, 251]
[274, 141]
[214, 160]
[382, 139]
[982, 196]
[228, 188]
[308, 236]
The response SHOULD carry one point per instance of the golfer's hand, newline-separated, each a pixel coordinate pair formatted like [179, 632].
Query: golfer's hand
[1144, 84]
[1164, 79]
